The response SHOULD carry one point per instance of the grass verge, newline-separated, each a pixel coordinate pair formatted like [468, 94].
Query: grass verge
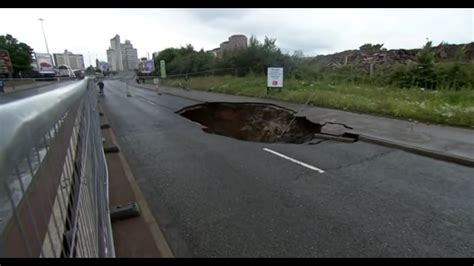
[455, 108]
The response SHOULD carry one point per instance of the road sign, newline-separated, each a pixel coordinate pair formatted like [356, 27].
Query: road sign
[163, 68]
[6, 66]
[275, 77]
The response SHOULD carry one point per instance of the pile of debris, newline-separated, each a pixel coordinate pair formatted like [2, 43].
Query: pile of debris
[383, 59]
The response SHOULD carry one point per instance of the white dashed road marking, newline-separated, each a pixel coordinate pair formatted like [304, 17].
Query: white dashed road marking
[295, 161]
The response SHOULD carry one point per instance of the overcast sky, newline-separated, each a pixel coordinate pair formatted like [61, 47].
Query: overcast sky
[314, 31]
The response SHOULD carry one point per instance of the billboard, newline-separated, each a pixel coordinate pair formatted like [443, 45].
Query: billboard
[5, 62]
[45, 63]
[103, 66]
[146, 66]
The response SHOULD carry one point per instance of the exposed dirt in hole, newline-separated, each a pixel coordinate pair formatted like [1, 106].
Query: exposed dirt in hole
[257, 122]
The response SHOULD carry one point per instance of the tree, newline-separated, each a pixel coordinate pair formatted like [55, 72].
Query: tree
[443, 43]
[20, 53]
[460, 54]
[256, 58]
[298, 54]
[167, 54]
[425, 75]
[456, 76]
[269, 45]
[371, 48]
[253, 42]
[426, 57]
[184, 60]
[90, 70]
[401, 75]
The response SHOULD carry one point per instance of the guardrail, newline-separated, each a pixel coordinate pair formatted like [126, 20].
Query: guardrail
[235, 71]
[54, 198]
[217, 71]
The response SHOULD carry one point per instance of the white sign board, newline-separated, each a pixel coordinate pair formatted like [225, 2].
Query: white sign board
[156, 81]
[275, 77]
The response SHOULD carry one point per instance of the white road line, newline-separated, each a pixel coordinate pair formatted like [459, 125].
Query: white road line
[150, 102]
[145, 100]
[295, 161]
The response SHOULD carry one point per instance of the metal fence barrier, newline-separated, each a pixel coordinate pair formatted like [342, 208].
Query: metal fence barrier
[54, 198]
[233, 71]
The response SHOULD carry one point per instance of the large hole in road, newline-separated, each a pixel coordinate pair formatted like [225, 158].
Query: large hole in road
[256, 122]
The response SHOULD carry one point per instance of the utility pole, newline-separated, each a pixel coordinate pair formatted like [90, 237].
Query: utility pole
[44, 35]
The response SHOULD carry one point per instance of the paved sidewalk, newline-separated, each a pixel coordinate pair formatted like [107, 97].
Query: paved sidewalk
[457, 143]
[137, 237]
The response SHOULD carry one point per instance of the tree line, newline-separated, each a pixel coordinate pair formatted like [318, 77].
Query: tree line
[425, 72]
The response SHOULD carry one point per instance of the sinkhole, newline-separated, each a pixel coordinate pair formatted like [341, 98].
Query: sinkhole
[257, 122]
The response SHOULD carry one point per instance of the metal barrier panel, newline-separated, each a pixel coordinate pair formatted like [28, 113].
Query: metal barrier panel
[54, 180]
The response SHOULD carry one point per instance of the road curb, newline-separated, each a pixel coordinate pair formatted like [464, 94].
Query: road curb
[156, 232]
[421, 151]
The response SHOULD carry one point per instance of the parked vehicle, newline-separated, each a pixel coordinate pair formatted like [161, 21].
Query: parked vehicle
[80, 74]
[65, 71]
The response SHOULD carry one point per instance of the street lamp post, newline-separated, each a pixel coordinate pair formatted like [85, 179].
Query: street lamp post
[44, 35]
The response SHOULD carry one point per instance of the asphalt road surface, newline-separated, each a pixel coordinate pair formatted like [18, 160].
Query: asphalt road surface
[215, 196]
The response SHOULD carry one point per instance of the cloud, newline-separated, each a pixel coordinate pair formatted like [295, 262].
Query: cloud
[213, 15]
[315, 31]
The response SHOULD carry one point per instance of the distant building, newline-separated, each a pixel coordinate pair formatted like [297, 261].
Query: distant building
[122, 56]
[130, 56]
[74, 61]
[216, 52]
[224, 46]
[114, 54]
[238, 41]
